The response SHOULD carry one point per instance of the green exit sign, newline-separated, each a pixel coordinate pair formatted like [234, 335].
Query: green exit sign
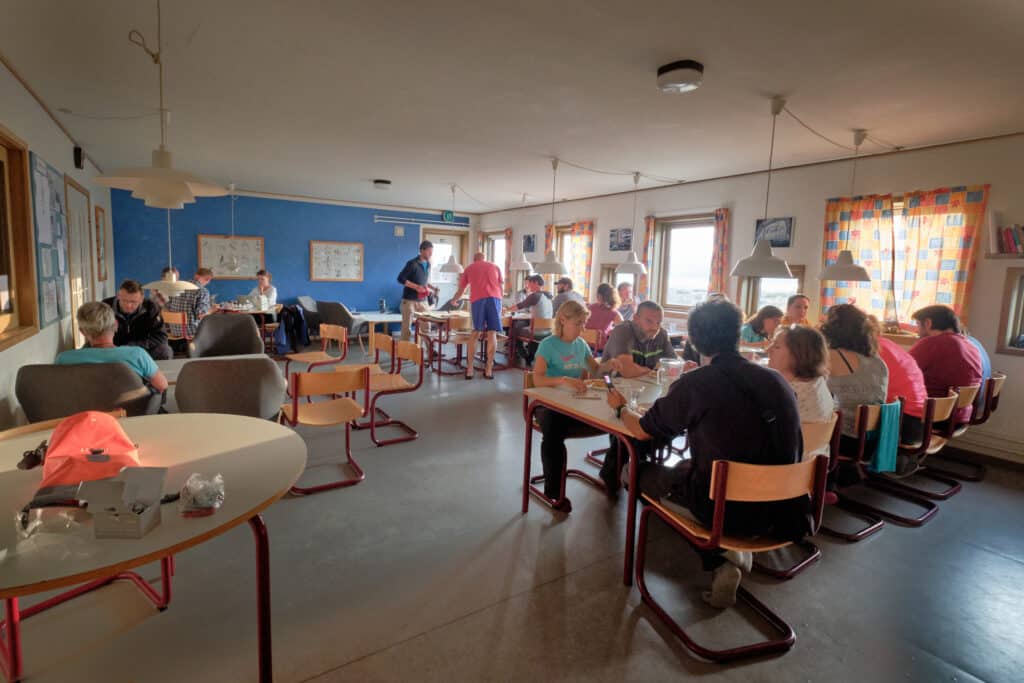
[448, 216]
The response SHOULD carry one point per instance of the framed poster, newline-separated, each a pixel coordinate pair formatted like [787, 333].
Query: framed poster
[529, 243]
[231, 258]
[621, 239]
[778, 230]
[101, 244]
[335, 261]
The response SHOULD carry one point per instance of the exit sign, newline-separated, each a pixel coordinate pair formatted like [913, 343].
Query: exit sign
[448, 216]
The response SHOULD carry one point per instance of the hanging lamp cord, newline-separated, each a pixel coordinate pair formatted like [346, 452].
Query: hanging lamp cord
[636, 187]
[771, 158]
[135, 37]
[170, 260]
[554, 178]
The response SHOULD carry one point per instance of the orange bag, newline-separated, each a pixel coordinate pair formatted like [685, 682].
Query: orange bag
[85, 447]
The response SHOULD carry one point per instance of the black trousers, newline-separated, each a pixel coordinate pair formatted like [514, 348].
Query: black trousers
[555, 429]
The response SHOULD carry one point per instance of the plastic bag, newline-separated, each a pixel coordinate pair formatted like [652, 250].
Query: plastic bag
[201, 497]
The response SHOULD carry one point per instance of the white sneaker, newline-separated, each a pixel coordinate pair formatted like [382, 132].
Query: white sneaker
[724, 583]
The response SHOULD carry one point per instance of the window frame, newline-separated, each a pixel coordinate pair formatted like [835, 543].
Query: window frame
[24, 320]
[608, 275]
[1011, 318]
[748, 289]
[662, 229]
[489, 238]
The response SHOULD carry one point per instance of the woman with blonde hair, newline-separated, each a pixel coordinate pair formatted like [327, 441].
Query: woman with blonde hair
[562, 360]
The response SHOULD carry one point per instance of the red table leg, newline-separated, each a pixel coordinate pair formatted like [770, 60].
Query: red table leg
[10, 662]
[266, 663]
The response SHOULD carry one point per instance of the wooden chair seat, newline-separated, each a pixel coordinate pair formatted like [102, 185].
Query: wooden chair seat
[936, 444]
[311, 357]
[356, 367]
[389, 382]
[323, 413]
[737, 543]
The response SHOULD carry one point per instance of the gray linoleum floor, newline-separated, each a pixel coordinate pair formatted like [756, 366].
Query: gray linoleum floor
[427, 572]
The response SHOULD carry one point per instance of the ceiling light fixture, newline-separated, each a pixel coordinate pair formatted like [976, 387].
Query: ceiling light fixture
[452, 266]
[678, 77]
[632, 265]
[845, 268]
[160, 185]
[169, 285]
[551, 265]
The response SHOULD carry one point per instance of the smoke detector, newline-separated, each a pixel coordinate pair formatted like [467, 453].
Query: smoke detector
[681, 76]
[382, 183]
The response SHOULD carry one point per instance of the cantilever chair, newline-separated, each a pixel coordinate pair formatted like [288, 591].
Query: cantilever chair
[974, 471]
[741, 482]
[335, 410]
[386, 384]
[314, 359]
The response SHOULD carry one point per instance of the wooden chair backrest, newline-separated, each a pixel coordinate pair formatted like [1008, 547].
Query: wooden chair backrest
[277, 308]
[46, 424]
[336, 333]
[461, 322]
[944, 406]
[764, 483]
[591, 336]
[997, 380]
[818, 435]
[173, 317]
[967, 395]
[874, 413]
[409, 351]
[542, 324]
[328, 383]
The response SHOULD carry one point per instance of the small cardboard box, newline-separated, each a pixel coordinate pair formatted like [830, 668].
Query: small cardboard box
[125, 506]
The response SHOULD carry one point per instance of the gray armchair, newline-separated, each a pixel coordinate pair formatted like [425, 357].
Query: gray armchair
[334, 313]
[48, 392]
[226, 334]
[236, 386]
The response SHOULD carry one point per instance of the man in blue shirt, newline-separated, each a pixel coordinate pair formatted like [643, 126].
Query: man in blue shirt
[416, 287]
[97, 323]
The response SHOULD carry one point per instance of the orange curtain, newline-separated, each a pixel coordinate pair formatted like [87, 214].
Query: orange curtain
[549, 239]
[582, 256]
[720, 255]
[508, 260]
[864, 226]
[645, 257]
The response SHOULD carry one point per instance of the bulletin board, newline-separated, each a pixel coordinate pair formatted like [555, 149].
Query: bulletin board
[335, 261]
[48, 210]
[221, 254]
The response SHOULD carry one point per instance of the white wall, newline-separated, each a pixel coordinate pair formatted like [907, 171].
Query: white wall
[22, 115]
[801, 193]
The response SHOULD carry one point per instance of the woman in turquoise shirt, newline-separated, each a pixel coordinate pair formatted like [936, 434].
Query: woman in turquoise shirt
[761, 326]
[562, 360]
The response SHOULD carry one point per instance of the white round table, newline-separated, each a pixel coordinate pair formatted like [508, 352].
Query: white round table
[259, 461]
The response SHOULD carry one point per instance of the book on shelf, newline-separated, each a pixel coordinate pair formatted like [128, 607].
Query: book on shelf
[1008, 240]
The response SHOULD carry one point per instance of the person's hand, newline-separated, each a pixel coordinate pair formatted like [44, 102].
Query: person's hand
[615, 399]
[689, 365]
[615, 364]
[578, 385]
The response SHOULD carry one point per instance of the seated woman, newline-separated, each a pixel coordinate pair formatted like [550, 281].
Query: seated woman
[563, 359]
[761, 326]
[97, 323]
[856, 373]
[264, 288]
[796, 310]
[906, 381]
[604, 313]
[799, 354]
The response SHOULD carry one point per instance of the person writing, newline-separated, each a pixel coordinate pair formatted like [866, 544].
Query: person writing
[264, 288]
[761, 326]
[484, 281]
[415, 278]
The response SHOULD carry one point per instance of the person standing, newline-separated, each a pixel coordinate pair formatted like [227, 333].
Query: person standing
[415, 280]
[484, 281]
[194, 303]
[139, 322]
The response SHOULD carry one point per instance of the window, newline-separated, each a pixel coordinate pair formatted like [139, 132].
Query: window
[1011, 323]
[563, 246]
[683, 249]
[756, 292]
[19, 312]
[609, 275]
[496, 251]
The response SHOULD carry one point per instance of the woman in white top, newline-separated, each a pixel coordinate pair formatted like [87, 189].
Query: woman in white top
[800, 355]
[264, 288]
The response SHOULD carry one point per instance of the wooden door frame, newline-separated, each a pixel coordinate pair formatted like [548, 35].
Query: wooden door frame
[69, 183]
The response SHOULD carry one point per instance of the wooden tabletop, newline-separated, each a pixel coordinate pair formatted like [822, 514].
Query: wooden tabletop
[258, 459]
[594, 404]
[379, 317]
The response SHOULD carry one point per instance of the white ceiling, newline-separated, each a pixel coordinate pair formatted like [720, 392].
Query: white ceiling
[317, 97]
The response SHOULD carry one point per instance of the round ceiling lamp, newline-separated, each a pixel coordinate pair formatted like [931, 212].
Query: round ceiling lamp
[682, 76]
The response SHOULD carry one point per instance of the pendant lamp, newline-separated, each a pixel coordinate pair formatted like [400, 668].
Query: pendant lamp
[844, 268]
[520, 265]
[632, 265]
[452, 266]
[169, 285]
[160, 185]
[551, 265]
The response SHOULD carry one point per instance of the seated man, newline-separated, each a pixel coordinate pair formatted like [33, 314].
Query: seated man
[538, 303]
[138, 321]
[730, 409]
[195, 303]
[946, 357]
[564, 292]
[97, 323]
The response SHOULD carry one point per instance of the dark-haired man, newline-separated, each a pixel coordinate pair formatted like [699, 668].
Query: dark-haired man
[416, 287]
[139, 322]
[722, 407]
[196, 304]
[946, 357]
[564, 292]
[539, 304]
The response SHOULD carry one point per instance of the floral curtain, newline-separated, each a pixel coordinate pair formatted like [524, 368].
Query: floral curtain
[549, 240]
[720, 255]
[508, 261]
[582, 256]
[645, 257]
[863, 225]
[940, 235]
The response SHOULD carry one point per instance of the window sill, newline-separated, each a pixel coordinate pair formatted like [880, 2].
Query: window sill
[15, 336]
[1009, 350]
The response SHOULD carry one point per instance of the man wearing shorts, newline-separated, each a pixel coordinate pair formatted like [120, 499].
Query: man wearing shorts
[485, 284]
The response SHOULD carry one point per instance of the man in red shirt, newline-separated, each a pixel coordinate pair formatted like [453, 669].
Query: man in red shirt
[946, 357]
[485, 282]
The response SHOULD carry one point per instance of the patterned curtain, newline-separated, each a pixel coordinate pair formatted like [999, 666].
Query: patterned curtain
[645, 258]
[549, 239]
[508, 260]
[720, 255]
[481, 243]
[864, 226]
[940, 247]
[582, 256]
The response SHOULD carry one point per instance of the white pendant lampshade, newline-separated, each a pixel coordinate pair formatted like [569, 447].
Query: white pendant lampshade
[761, 263]
[631, 266]
[170, 286]
[845, 269]
[521, 265]
[452, 266]
[551, 265]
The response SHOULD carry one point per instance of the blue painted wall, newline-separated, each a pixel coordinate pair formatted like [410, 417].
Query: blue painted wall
[140, 244]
